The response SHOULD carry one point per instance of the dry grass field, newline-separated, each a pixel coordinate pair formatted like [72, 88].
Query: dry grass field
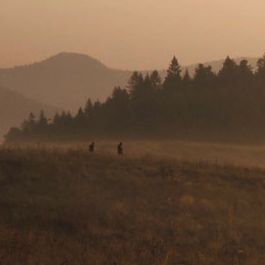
[161, 203]
[235, 154]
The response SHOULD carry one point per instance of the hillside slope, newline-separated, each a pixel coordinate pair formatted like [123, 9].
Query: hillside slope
[14, 108]
[67, 80]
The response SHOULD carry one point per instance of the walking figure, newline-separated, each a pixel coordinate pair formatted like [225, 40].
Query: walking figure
[92, 147]
[120, 149]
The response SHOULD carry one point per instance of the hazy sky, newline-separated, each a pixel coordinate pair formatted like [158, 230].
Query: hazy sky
[131, 34]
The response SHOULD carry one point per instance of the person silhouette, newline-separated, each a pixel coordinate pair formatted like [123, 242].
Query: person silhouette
[120, 148]
[92, 147]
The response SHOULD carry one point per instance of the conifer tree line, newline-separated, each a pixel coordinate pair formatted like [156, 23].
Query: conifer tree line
[206, 104]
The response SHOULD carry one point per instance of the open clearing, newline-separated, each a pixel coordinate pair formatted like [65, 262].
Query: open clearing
[60, 206]
[234, 154]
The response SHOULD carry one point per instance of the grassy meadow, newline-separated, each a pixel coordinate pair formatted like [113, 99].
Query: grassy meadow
[161, 203]
[246, 155]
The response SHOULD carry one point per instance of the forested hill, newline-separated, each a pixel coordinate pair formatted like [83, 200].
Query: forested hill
[223, 105]
[66, 80]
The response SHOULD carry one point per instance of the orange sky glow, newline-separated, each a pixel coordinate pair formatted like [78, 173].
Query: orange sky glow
[131, 34]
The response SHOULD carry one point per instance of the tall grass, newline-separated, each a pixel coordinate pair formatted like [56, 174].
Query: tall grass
[66, 206]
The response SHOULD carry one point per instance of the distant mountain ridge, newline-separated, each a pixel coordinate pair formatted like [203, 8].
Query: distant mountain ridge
[67, 80]
[217, 64]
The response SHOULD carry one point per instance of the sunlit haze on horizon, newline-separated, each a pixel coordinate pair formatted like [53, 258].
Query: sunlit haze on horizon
[129, 34]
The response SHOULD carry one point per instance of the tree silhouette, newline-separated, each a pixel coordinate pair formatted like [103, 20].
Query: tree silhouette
[261, 69]
[227, 104]
[204, 76]
[173, 78]
[228, 74]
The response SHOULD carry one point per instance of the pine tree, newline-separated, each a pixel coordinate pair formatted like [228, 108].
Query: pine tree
[155, 80]
[32, 120]
[245, 73]
[203, 76]
[29, 124]
[260, 73]
[187, 80]
[42, 121]
[135, 84]
[89, 107]
[228, 73]
[173, 78]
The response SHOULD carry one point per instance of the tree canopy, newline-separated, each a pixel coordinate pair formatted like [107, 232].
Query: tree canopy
[203, 104]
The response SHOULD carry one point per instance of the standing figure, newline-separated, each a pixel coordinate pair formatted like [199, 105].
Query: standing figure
[120, 149]
[92, 147]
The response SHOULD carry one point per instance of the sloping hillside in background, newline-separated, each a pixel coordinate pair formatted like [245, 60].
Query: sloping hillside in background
[67, 80]
[14, 108]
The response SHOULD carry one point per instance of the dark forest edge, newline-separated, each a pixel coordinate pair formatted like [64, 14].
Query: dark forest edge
[227, 105]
